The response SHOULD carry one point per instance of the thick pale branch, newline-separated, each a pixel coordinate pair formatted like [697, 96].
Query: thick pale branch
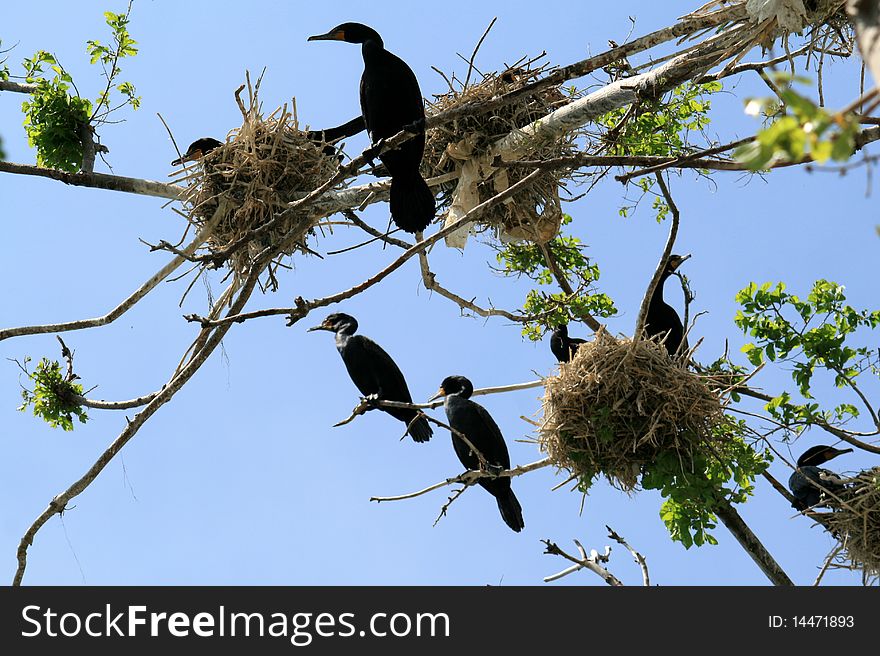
[750, 542]
[99, 181]
[865, 15]
[17, 87]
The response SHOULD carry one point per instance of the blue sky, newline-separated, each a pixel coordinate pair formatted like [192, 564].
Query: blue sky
[241, 479]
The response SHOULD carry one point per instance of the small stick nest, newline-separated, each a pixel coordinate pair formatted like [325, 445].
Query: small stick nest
[534, 213]
[262, 167]
[620, 403]
[855, 521]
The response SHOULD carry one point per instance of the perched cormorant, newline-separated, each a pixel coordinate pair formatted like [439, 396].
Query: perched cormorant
[563, 346]
[662, 317]
[197, 149]
[806, 483]
[374, 372]
[390, 101]
[477, 425]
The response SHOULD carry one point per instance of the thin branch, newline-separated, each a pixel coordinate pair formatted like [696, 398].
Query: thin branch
[688, 161]
[831, 556]
[664, 258]
[565, 286]
[590, 562]
[469, 478]
[639, 558]
[476, 50]
[303, 307]
[129, 302]
[59, 502]
[429, 279]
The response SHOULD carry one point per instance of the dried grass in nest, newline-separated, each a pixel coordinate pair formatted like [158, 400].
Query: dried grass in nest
[534, 213]
[620, 403]
[252, 177]
[856, 521]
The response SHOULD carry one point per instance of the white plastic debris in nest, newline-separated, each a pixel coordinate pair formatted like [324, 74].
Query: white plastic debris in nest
[790, 14]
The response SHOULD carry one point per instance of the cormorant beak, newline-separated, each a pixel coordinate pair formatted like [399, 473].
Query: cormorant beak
[440, 393]
[833, 453]
[188, 157]
[323, 326]
[338, 35]
[685, 257]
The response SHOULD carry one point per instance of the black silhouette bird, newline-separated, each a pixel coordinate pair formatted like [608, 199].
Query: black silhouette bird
[477, 425]
[197, 149]
[662, 317]
[374, 373]
[806, 483]
[391, 101]
[563, 346]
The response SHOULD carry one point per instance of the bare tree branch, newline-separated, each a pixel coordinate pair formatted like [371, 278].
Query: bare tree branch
[639, 558]
[469, 478]
[60, 501]
[129, 302]
[590, 562]
[664, 258]
[99, 181]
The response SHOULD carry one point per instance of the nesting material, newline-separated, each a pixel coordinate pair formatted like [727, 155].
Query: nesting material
[264, 165]
[620, 403]
[534, 213]
[855, 520]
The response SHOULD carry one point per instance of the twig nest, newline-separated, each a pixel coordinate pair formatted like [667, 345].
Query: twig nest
[251, 178]
[533, 214]
[855, 521]
[618, 404]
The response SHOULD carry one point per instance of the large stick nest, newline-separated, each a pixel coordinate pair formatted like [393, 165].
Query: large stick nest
[620, 403]
[533, 213]
[855, 520]
[251, 178]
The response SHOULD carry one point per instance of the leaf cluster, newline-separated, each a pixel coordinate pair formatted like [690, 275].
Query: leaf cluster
[53, 396]
[552, 309]
[660, 128]
[803, 129]
[808, 334]
[56, 117]
[725, 474]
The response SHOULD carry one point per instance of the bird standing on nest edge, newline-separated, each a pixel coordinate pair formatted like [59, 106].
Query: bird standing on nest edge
[807, 483]
[390, 102]
[563, 346]
[662, 319]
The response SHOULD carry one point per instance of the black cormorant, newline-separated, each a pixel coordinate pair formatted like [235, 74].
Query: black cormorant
[391, 100]
[563, 346]
[197, 149]
[374, 372]
[662, 317]
[477, 425]
[806, 483]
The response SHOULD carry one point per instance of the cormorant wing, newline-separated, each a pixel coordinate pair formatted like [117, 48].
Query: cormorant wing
[390, 96]
[491, 443]
[373, 371]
